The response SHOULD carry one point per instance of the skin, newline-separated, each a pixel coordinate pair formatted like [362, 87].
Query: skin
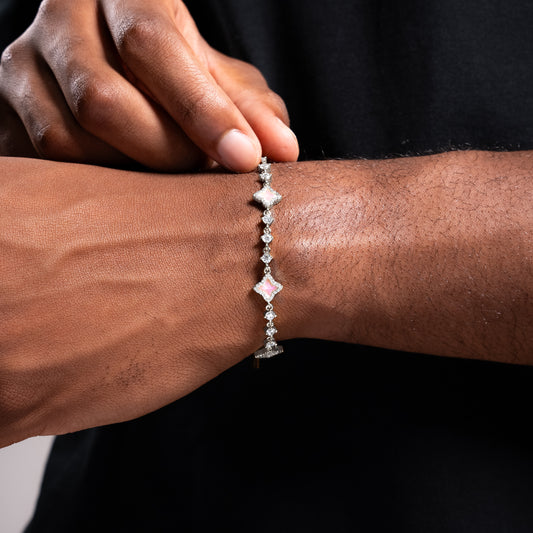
[105, 274]
[123, 82]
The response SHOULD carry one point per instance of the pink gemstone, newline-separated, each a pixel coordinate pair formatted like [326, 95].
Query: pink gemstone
[269, 195]
[268, 287]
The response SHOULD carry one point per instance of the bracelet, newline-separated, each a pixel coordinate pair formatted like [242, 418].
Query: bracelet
[268, 287]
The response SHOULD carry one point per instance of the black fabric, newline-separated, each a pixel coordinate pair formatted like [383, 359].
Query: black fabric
[333, 437]
[329, 438]
[367, 78]
[15, 17]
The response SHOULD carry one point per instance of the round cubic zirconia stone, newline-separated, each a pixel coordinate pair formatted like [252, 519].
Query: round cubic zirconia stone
[266, 258]
[270, 315]
[268, 219]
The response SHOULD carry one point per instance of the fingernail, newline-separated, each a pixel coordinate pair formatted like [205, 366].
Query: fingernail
[237, 151]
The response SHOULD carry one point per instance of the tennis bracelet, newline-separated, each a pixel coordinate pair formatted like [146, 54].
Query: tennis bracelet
[268, 287]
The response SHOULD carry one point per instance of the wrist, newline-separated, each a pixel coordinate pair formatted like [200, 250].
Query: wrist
[316, 229]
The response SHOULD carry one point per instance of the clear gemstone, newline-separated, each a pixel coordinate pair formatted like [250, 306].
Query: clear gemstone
[266, 237]
[264, 166]
[266, 177]
[268, 287]
[271, 332]
[267, 196]
[270, 344]
[268, 219]
[270, 315]
[266, 258]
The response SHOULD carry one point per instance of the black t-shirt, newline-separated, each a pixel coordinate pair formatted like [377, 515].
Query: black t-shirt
[337, 437]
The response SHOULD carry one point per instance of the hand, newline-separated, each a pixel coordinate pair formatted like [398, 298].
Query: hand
[110, 82]
[120, 292]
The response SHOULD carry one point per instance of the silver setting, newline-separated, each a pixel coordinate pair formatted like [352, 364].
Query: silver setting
[264, 166]
[268, 287]
[270, 315]
[267, 218]
[264, 353]
[265, 177]
[267, 196]
[266, 257]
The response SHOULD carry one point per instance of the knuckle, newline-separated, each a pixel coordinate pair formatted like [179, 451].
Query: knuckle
[11, 55]
[92, 100]
[51, 141]
[17, 70]
[7, 56]
[137, 34]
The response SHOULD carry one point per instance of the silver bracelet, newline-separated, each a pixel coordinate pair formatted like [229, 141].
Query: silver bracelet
[268, 287]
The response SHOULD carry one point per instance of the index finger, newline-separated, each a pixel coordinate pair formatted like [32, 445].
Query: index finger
[150, 44]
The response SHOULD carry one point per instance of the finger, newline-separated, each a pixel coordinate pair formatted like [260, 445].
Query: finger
[181, 83]
[31, 90]
[108, 106]
[264, 110]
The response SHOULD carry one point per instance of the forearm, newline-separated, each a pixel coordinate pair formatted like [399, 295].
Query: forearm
[121, 292]
[428, 254]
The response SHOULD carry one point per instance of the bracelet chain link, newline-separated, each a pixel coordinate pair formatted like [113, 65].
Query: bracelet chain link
[268, 287]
